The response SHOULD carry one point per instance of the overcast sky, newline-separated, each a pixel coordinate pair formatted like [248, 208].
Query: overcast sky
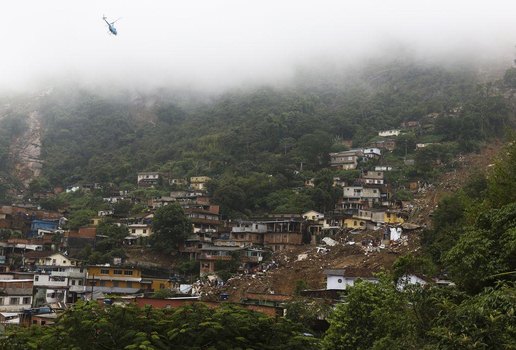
[220, 43]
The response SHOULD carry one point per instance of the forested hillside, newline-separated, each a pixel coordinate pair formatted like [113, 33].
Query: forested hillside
[258, 143]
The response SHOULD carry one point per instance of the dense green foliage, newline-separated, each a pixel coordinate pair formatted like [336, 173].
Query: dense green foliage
[91, 326]
[473, 232]
[170, 226]
[379, 316]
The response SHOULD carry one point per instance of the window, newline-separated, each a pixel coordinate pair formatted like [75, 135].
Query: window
[26, 300]
[339, 280]
[129, 284]
[64, 262]
[104, 271]
[73, 282]
[116, 283]
[161, 286]
[117, 272]
[80, 283]
[102, 283]
[133, 230]
[1, 301]
[144, 231]
[128, 272]
[36, 278]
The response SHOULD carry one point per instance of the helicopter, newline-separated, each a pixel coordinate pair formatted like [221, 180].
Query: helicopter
[111, 26]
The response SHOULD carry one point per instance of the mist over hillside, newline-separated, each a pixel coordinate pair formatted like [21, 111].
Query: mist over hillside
[109, 134]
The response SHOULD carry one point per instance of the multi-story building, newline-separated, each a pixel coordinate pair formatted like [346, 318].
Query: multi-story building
[16, 294]
[148, 179]
[108, 279]
[373, 178]
[347, 160]
[199, 183]
[57, 278]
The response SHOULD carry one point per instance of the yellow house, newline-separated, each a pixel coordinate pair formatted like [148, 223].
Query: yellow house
[123, 280]
[160, 283]
[355, 223]
[393, 218]
[107, 278]
[95, 221]
[199, 182]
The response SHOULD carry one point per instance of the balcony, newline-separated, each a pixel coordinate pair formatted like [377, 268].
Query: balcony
[48, 281]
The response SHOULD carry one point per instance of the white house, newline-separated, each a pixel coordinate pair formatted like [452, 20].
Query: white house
[345, 278]
[59, 284]
[372, 152]
[16, 295]
[313, 215]
[56, 259]
[140, 230]
[388, 133]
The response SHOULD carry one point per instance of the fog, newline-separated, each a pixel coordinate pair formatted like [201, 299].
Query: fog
[218, 44]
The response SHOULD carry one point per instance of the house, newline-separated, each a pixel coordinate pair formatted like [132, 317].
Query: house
[58, 284]
[140, 230]
[373, 178]
[248, 257]
[388, 145]
[178, 182]
[394, 217]
[389, 133]
[210, 255]
[372, 153]
[347, 277]
[310, 182]
[355, 224]
[361, 194]
[347, 160]
[16, 294]
[148, 179]
[376, 216]
[199, 183]
[247, 233]
[412, 279]
[338, 182]
[114, 280]
[423, 145]
[49, 259]
[382, 168]
[95, 221]
[46, 225]
[283, 233]
[313, 215]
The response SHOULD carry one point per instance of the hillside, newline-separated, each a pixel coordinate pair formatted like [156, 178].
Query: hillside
[255, 143]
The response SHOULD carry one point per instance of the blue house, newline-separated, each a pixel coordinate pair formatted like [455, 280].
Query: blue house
[47, 225]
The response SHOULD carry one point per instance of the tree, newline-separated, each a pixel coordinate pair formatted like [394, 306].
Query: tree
[373, 316]
[92, 326]
[170, 227]
[80, 218]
